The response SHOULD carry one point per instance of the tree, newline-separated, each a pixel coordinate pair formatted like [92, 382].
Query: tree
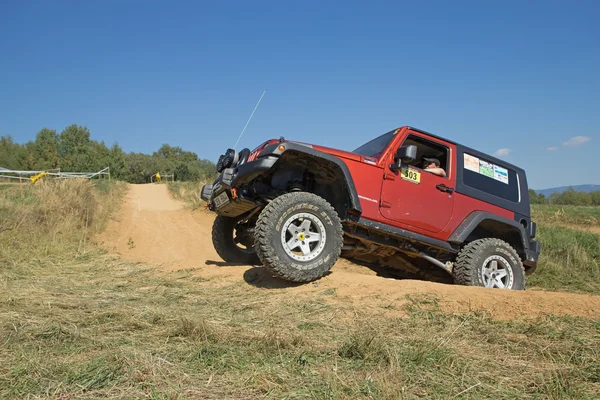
[97, 156]
[116, 162]
[46, 150]
[12, 155]
[595, 198]
[74, 148]
[535, 198]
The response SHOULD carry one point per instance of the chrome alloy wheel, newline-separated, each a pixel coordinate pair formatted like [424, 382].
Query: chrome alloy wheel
[303, 237]
[497, 273]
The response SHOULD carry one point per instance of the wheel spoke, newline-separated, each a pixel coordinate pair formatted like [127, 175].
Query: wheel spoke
[305, 248]
[314, 237]
[292, 229]
[305, 226]
[501, 274]
[292, 243]
[494, 265]
[498, 283]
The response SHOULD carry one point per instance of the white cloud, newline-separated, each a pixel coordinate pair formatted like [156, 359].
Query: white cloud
[552, 148]
[577, 141]
[502, 152]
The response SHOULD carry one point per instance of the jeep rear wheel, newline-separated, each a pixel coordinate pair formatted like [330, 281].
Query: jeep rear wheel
[490, 263]
[298, 237]
[234, 241]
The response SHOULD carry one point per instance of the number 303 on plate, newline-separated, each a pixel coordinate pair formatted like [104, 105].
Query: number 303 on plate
[410, 175]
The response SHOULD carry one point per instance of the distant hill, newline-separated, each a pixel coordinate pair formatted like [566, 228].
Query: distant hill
[578, 188]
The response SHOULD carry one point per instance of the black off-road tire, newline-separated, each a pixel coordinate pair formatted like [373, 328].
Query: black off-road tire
[268, 242]
[468, 268]
[222, 238]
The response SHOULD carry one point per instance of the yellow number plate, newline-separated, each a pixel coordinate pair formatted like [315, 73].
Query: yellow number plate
[410, 175]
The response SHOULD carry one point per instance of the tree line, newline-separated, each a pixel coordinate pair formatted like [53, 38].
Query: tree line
[72, 150]
[568, 197]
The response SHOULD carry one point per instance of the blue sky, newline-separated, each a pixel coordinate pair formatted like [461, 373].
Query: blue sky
[519, 79]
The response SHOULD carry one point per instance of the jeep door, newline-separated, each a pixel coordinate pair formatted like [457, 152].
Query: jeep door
[414, 197]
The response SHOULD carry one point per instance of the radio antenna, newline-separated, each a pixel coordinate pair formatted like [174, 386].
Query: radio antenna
[247, 122]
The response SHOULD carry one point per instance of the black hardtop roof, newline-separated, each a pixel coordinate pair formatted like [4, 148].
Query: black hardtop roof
[469, 150]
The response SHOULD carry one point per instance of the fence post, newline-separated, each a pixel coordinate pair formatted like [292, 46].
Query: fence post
[109, 174]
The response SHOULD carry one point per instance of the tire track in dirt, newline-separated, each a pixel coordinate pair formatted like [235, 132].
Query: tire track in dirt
[153, 228]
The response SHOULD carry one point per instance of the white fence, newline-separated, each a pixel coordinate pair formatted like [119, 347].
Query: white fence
[21, 176]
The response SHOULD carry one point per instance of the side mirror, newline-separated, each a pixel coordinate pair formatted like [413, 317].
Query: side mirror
[404, 155]
[407, 154]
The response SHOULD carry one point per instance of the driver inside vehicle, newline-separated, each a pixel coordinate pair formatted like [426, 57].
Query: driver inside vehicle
[432, 165]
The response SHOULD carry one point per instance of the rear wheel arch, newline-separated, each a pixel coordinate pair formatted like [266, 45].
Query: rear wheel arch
[480, 225]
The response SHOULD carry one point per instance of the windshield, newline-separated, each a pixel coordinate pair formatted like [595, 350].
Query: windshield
[375, 147]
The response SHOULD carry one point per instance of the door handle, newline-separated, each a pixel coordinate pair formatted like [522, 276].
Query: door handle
[445, 188]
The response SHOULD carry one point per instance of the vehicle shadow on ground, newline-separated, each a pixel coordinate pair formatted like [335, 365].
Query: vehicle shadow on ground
[390, 273]
[261, 278]
[223, 264]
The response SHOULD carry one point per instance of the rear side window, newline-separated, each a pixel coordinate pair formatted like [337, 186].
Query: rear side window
[491, 178]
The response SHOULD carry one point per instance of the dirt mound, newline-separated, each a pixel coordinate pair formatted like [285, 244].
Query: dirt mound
[154, 228]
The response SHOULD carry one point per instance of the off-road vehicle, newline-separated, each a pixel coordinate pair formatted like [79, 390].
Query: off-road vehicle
[296, 207]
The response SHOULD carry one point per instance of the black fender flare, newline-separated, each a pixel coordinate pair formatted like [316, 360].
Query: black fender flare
[275, 150]
[473, 220]
[243, 157]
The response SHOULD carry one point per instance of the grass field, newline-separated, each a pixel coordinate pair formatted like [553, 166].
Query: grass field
[76, 322]
[189, 192]
[582, 216]
[570, 260]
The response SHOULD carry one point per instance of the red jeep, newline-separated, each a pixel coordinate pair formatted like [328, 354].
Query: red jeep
[295, 208]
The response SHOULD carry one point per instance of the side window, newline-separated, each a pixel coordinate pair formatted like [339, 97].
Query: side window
[491, 178]
[428, 150]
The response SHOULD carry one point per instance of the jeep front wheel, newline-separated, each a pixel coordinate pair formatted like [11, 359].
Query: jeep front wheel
[298, 237]
[490, 263]
[233, 241]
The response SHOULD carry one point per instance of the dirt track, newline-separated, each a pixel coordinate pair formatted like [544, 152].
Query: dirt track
[153, 228]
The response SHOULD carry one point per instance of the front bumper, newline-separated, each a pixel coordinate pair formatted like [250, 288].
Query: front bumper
[223, 196]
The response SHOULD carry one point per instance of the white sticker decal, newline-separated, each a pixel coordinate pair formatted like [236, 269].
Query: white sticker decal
[501, 174]
[471, 163]
[486, 168]
[367, 198]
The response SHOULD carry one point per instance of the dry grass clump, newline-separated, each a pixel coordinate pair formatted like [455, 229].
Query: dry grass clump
[54, 217]
[188, 192]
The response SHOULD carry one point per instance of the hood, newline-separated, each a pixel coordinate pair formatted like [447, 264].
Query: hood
[339, 153]
[334, 152]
